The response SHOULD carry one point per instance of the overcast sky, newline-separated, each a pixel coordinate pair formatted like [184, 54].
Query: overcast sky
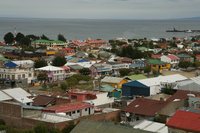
[97, 9]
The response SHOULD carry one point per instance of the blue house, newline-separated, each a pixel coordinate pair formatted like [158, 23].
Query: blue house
[135, 88]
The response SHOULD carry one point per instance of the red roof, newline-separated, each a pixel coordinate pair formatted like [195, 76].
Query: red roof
[147, 107]
[184, 120]
[173, 57]
[67, 107]
[43, 100]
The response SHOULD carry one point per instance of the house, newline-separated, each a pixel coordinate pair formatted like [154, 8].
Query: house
[44, 101]
[54, 73]
[115, 82]
[197, 57]
[80, 95]
[87, 126]
[155, 127]
[184, 122]
[18, 71]
[112, 92]
[100, 69]
[194, 101]
[71, 110]
[156, 56]
[172, 59]
[75, 68]
[142, 108]
[157, 65]
[49, 44]
[17, 94]
[138, 63]
[185, 57]
[68, 51]
[150, 86]
[117, 66]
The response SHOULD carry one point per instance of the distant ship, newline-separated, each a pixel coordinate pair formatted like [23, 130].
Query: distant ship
[186, 31]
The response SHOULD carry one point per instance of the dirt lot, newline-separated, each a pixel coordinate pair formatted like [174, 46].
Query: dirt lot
[186, 74]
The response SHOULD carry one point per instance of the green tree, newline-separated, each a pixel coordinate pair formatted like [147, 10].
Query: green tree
[19, 37]
[33, 37]
[64, 86]
[42, 76]
[61, 38]
[147, 69]
[124, 71]
[184, 64]
[25, 42]
[85, 71]
[9, 38]
[44, 37]
[41, 128]
[40, 63]
[59, 61]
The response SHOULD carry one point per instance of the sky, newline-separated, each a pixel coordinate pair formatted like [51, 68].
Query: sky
[100, 9]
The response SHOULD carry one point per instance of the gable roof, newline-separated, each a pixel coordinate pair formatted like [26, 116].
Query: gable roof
[173, 57]
[10, 64]
[87, 126]
[155, 62]
[184, 120]
[135, 84]
[67, 107]
[146, 107]
[43, 100]
[50, 68]
[108, 79]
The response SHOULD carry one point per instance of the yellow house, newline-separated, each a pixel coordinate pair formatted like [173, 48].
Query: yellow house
[115, 82]
[157, 65]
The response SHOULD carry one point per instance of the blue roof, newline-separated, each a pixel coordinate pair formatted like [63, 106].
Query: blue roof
[135, 84]
[10, 64]
[83, 60]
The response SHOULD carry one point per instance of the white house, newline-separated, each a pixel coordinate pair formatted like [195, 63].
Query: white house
[72, 110]
[172, 59]
[17, 71]
[54, 73]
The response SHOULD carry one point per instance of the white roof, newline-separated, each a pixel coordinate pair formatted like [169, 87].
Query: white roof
[87, 64]
[50, 68]
[102, 98]
[108, 79]
[20, 62]
[152, 126]
[196, 79]
[18, 94]
[165, 79]
[4, 97]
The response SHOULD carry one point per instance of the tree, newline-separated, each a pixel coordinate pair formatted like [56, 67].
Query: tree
[41, 128]
[19, 37]
[85, 71]
[64, 86]
[42, 76]
[9, 38]
[33, 37]
[59, 61]
[184, 64]
[147, 69]
[61, 38]
[124, 72]
[44, 37]
[40, 63]
[25, 41]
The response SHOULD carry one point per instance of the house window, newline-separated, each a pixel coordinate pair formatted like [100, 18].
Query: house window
[29, 75]
[73, 112]
[23, 76]
[78, 111]
[13, 76]
[8, 76]
[86, 109]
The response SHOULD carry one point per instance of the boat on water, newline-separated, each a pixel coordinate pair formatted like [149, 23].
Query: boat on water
[186, 31]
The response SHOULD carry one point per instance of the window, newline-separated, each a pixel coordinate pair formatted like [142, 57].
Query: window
[19, 76]
[29, 75]
[73, 112]
[23, 76]
[86, 109]
[78, 111]
[13, 77]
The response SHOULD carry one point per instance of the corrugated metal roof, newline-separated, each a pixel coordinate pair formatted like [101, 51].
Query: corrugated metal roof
[50, 68]
[165, 79]
[18, 94]
[4, 97]
[152, 126]
[108, 79]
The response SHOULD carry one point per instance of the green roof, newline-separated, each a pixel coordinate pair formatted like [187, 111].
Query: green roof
[87, 126]
[48, 41]
[155, 62]
[184, 56]
[136, 77]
